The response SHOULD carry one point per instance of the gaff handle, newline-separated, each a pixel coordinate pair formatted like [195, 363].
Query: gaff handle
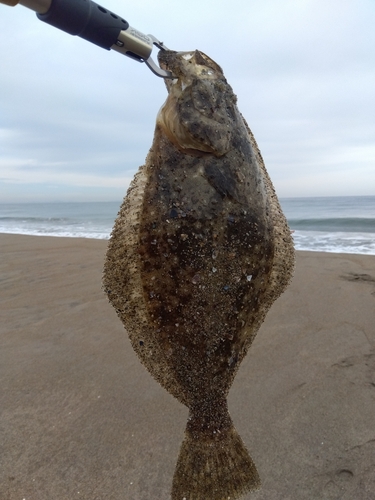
[85, 19]
[97, 25]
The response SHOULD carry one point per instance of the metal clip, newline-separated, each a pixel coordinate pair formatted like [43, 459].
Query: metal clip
[151, 63]
[138, 46]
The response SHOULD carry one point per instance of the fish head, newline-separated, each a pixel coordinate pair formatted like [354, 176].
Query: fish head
[200, 111]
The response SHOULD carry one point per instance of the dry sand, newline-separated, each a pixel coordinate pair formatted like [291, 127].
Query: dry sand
[82, 419]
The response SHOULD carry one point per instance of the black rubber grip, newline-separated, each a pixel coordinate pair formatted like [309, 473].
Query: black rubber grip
[85, 19]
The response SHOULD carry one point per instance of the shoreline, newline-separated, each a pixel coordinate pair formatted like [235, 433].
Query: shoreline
[81, 418]
[83, 238]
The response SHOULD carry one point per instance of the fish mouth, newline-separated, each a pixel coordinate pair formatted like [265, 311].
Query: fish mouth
[173, 61]
[185, 65]
[163, 63]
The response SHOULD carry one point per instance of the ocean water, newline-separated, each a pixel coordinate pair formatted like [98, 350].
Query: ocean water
[340, 224]
[329, 224]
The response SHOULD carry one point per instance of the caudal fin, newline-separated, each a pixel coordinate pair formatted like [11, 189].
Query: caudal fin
[213, 467]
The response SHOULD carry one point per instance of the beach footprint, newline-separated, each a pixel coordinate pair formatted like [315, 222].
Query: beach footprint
[340, 483]
[360, 278]
[360, 369]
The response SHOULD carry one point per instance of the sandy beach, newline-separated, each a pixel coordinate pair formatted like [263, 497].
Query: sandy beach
[80, 417]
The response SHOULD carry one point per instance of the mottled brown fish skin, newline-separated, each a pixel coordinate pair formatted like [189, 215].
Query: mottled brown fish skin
[199, 252]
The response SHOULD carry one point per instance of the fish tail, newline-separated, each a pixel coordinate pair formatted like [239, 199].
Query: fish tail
[213, 465]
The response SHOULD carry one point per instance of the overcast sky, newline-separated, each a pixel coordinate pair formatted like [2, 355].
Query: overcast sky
[76, 121]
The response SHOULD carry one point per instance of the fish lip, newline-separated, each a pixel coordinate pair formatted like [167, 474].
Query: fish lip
[163, 57]
[169, 61]
[164, 65]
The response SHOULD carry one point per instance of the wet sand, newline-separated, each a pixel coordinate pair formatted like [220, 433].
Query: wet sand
[80, 418]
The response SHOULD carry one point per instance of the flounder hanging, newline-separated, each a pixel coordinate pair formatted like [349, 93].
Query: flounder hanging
[199, 252]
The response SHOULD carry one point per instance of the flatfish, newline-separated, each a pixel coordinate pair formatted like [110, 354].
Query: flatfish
[199, 252]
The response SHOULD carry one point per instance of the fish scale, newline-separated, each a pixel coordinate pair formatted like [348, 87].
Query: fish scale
[199, 252]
